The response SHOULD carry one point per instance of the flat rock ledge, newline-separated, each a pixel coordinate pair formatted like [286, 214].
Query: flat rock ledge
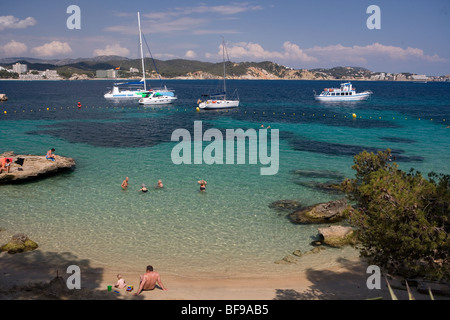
[34, 167]
[330, 212]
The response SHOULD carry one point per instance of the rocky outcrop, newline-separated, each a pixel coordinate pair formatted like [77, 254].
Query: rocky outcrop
[332, 211]
[337, 236]
[19, 243]
[293, 258]
[33, 167]
[285, 205]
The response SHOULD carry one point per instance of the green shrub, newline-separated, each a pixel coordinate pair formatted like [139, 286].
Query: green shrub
[402, 218]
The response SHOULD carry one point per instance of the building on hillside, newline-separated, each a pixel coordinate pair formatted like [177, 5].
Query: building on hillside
[107, 73]
[20, 68]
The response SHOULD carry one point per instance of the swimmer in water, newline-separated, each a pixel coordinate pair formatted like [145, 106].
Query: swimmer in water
[202, 184]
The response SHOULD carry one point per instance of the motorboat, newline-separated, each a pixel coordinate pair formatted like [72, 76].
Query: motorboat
[158, 98]
[345, 93]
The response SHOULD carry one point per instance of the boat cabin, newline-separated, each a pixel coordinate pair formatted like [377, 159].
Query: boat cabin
[345, 90]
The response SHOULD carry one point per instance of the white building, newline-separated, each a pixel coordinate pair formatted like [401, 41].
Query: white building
[107, 73]
[419, 77]
[20, 68]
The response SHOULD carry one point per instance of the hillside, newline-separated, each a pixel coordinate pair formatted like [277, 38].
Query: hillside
[191, 69]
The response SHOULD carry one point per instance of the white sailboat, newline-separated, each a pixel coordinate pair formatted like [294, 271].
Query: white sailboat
[136, 89]
[219, 100]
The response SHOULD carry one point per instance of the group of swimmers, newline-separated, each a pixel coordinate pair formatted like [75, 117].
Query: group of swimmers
[144, 187]
[160, 185]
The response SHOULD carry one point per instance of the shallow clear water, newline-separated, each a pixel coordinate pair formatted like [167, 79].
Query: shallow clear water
[230, 229]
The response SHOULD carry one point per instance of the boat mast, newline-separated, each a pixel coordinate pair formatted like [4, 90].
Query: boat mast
[224, 70]
[142, 51]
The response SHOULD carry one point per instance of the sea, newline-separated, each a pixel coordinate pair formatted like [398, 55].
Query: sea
[231, 230]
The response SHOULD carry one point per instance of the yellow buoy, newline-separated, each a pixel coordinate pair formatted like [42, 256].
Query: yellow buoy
[354, 116]
[198, 109]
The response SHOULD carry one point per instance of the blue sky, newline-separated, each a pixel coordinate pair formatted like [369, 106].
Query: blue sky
[414, 35]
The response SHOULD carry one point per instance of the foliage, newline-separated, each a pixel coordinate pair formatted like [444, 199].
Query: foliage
[402, 218]
[8, 75]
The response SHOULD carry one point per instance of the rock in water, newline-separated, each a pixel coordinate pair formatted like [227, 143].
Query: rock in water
[332, 211]
[337, 236]
[33, 167]
[285, 205]
[19, 243]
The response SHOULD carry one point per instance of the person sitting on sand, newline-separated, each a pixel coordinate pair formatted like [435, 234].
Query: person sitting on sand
[144, 188]
[160, 185]
[120, 282]
[6, 165]
[202, 184]
[50, 155]
[149, 280]
[125, 184]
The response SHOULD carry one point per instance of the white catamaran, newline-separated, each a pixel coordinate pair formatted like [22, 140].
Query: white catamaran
[219, 100]
[136, 89]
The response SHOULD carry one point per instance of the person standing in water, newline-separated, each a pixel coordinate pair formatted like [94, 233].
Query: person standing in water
[202, 184]
[125, 184]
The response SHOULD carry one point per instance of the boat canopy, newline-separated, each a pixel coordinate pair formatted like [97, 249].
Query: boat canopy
[136, 83]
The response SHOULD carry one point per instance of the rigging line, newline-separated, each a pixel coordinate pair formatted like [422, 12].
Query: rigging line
[154, 63]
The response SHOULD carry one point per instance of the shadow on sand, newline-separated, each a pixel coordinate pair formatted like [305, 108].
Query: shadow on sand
[39, 275]
[349, 282]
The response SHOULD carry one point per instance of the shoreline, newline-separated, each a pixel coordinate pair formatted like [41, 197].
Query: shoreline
[23, 277]
[196, 79]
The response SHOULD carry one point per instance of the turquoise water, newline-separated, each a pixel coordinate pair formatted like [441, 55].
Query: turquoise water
[229, 230]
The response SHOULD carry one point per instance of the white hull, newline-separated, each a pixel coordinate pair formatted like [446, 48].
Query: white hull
[356, 97]
[125, 95]
[157, 100]
[219, 104]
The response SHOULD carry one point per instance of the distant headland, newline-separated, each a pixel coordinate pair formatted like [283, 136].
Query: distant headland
[115, 67]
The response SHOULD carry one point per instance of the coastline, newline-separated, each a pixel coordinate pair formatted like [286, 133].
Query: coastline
[24, 277]
[238, 79]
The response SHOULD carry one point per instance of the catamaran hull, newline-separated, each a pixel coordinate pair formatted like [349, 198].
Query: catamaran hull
[131, 95]
[356, 97]
[219, 104]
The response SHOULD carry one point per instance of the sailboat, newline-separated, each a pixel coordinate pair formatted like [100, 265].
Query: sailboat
[136, 89]
[219, 100]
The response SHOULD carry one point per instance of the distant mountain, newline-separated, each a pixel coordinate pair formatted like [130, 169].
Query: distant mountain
[192, 69]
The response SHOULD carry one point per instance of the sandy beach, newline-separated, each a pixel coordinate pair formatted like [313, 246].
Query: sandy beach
[27, 277]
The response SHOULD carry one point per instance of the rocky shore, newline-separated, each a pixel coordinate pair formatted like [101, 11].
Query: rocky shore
[30, 167]
[329, 213]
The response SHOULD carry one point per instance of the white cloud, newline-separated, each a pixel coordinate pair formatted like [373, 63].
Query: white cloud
[194, 20]
[112, 50]
[227, 10]
[254, 51]
[13, 48]
[321, 56]
[11, 22]
[190, 54]
[51, 49]
[363, 54]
